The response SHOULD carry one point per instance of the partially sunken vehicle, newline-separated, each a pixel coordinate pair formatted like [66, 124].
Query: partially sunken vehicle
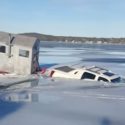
[93, 73]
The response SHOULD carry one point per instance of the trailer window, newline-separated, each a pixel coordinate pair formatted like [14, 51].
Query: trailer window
[2, 49]
[87, 75]
[23, 53]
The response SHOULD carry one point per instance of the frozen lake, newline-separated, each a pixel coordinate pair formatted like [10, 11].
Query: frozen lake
[68, 102]
[109, 56]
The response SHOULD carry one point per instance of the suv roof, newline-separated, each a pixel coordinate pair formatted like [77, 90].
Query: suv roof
[97, 70]
[93, 69]
[65, 68]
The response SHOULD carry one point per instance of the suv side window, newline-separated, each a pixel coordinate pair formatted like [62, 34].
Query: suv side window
[102, 79]
[87, 75]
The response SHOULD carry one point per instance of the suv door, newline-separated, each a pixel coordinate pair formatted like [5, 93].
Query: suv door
[103, 79]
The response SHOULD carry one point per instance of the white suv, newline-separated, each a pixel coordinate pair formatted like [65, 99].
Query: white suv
[87, 73]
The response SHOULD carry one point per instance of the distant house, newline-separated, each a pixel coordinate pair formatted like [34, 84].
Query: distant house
[18, 53]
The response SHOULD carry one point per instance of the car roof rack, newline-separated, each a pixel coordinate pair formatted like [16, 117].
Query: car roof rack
[97, 69]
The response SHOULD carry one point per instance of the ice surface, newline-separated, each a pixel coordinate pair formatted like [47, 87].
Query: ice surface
[48, 101]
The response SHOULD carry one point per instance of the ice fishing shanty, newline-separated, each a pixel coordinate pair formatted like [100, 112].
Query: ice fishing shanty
[18, 53]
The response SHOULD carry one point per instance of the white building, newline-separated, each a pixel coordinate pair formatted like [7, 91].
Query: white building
[18, 53]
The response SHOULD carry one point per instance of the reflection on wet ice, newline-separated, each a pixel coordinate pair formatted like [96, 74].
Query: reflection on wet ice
[23, 97]
[25, 92]
[16, 93]
[31, 97]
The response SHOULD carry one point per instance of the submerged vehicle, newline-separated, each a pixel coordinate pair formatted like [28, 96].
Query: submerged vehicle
[92, 73]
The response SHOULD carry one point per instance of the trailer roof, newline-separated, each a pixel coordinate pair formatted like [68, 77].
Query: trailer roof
[20, 40]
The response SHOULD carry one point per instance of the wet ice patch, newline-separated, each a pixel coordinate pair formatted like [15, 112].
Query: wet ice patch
[116, 53]
[106, 60]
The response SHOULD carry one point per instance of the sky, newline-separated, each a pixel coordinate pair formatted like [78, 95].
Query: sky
[89, 18]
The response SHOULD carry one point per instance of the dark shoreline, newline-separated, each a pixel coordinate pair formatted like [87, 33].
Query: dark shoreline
[70, 39]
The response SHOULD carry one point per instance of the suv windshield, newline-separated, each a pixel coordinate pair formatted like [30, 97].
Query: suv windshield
[116, 80]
